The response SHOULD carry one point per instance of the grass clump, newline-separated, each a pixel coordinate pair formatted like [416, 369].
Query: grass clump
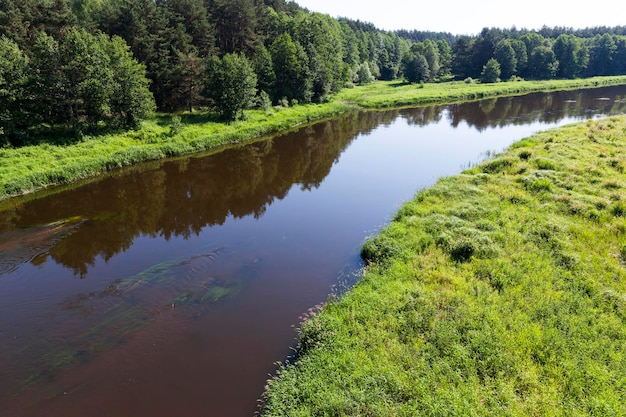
[500, 292]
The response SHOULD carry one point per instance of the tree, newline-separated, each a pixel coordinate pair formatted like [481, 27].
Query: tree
[415, 68]
[602, 53]
[230, 84]
[85, 79]
[131, 99]
[505, 55]
[571, 54]
[542, 63]
[462, 57]
[445, 57]
[521, 55]
[430, 51]
[13, 78]
[491, 72]
[235, 24]
[264, 69]
[321, 37]
[363, 74]
[291, 69]
[88, 77]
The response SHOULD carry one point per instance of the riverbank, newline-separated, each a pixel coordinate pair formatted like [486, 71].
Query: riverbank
[499, 291]
[31, 168]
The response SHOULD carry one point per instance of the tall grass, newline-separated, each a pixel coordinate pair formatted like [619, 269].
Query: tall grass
[497, 292]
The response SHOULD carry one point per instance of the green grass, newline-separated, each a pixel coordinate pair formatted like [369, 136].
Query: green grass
[31, 168]
[399, 94]
[497, 292]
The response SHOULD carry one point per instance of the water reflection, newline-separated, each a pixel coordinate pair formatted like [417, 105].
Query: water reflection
[180, 198]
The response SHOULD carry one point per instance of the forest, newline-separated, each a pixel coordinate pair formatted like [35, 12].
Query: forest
[81, 66]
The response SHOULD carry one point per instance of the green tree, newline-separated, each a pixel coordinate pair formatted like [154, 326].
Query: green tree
[521, 55]
[230, 84]
[291, 69]
[363, 74]
[264, 69]
[130, 99]
[462, 57]
[13, 78]
[505, 55]
[415, 68]
[602, 53]
[571, 54]
[491, 72]
[321, 37]
[445, 57]
[88, 77]
[235, 24]
[542, 63]
[429, 50]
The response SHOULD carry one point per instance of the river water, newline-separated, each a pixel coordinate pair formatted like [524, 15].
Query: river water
[173, 288]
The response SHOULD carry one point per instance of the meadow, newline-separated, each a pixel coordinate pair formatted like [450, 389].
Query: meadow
[500, 291]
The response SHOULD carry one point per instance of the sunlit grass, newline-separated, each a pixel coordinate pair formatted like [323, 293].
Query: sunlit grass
[499, 291]
[398, 94]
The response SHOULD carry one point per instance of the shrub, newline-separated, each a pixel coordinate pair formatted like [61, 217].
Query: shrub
[619, 210]
[379, 249]
[525, 155]
[497, 165]
[545, 164]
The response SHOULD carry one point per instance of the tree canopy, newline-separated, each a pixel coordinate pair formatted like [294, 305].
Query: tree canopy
[88, 63]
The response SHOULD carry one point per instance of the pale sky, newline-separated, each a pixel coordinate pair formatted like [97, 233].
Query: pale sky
[470, 17]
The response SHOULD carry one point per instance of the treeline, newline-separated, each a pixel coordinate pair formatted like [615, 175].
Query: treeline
[84, 64]
[531, 55]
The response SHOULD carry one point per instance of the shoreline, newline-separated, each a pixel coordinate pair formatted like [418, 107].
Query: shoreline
[497, 291]
[33, 168]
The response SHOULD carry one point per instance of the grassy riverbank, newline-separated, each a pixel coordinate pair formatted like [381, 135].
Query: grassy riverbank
[499, 291]
[381, 95]
[34, 167]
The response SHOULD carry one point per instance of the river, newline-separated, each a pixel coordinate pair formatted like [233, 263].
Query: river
[173, 288]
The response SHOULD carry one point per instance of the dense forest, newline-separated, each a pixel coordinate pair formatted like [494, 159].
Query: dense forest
[81, 65]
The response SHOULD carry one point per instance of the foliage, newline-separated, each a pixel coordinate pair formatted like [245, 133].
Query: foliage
[415, 68]
[483, 297]
[291, 62]
[491, 72]
[13, 78]
[231, 84]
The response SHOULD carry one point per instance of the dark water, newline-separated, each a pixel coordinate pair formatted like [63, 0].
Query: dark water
[171, 289]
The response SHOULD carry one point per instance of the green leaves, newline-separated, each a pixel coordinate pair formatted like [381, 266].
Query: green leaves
[231, 84]
[13, 71]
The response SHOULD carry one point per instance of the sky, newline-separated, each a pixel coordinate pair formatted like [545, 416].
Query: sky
[462, 17]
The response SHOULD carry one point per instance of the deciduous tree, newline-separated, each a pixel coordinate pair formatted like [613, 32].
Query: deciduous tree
[230, 84]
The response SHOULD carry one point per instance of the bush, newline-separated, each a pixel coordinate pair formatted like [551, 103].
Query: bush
[379, 249]
[497, 165]
[263, 101]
